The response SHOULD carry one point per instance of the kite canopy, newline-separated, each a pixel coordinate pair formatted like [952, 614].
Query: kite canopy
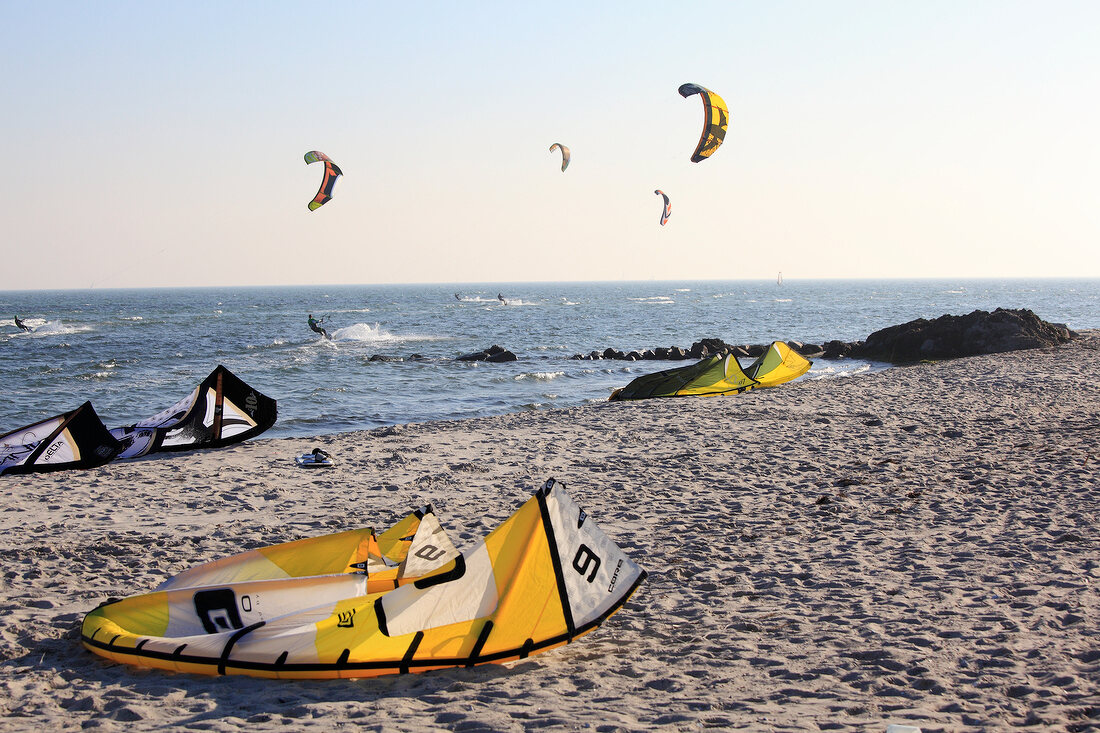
[415, 546]
[778, 364]
[715, 120]
[667, 210]
[714, 375]
[222, 410]
[544, 577]
[564, 155]
[74, 439]
[332, 172]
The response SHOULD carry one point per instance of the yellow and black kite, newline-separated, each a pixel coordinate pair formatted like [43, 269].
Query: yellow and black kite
[715, 120]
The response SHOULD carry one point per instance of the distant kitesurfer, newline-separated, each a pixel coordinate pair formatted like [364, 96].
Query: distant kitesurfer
[501, 299]
[458, 296]
[22, 326]
[315, 325]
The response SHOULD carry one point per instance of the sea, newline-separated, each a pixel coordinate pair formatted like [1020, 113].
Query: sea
[134, 352]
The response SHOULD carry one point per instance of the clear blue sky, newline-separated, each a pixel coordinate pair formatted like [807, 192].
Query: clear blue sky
[161, 143]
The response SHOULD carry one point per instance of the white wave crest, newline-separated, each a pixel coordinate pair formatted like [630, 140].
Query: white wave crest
[827, 372]
[376, 334]
[538, 376]
[57, 328]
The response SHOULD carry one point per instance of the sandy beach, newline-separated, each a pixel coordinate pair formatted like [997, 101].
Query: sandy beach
[915, 546]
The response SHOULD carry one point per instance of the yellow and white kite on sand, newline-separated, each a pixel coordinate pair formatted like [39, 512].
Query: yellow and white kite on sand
[305, 609]
[778, 364]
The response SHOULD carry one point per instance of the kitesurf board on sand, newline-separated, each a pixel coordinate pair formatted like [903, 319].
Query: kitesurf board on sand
[317, 459]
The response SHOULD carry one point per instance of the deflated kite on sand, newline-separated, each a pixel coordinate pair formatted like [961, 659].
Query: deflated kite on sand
[74, 439]
[221, 411]
[544, 577]
[719, 375]
[712, 376]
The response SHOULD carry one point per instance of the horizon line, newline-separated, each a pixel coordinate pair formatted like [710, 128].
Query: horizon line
[498, 283]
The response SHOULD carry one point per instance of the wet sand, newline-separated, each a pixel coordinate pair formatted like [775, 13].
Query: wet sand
[914, 546]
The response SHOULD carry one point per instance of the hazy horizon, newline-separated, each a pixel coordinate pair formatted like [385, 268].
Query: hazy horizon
[160, 145]
[472, 286]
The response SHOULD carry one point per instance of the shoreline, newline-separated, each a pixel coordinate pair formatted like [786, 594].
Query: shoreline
[916, 545]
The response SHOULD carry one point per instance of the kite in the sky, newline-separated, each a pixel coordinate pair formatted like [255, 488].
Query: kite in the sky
[564, 155]
[332, 172]
[715, 120]
[667, 211]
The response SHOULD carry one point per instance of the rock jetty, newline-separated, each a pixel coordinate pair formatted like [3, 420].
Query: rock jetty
[946, 337]
[698, 350]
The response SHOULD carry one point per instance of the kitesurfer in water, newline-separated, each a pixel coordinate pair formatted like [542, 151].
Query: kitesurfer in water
[315, 325]
[22, 326]
[501, 299]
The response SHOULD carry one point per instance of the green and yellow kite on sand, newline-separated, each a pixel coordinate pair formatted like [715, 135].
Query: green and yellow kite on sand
[719, 375]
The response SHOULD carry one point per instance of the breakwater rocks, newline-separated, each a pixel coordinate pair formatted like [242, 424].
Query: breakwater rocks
[699, 350]
[946, 337]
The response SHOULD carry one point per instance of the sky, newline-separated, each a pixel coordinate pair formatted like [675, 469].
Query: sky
[161, 144]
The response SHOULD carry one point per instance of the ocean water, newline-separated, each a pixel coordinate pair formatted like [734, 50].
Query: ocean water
[135, 352]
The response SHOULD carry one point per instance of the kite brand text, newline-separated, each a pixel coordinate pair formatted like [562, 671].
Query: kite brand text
[615, 576]
[53, 449]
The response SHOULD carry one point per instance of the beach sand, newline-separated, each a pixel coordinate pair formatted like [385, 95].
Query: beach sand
[917, 545]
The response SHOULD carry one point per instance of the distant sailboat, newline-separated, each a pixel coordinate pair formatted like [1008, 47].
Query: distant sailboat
[779, 280]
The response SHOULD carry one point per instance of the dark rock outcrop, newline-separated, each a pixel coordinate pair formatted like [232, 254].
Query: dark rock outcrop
[838, 349]
[494, 353]
[698, 350]
[386, 357]
[805, 349]
[950, 337]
